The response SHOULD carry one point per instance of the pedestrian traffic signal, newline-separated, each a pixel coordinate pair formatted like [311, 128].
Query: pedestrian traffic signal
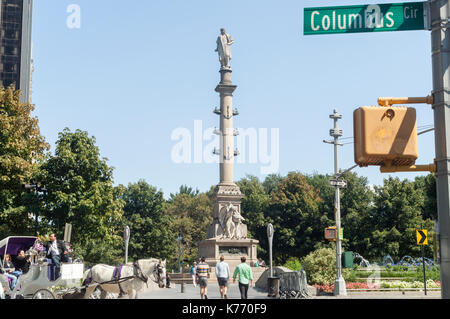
[385, 136]
[331, 233]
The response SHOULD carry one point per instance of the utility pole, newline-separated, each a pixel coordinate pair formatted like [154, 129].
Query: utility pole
[440, 50]
[339, 284]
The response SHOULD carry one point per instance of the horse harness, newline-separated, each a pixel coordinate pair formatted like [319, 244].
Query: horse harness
[137, 273]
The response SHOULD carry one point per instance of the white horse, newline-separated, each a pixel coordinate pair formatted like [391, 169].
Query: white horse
[131, 279]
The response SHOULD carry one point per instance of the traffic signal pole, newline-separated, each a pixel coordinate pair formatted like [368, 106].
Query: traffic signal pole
[339, 284]
[440, 49]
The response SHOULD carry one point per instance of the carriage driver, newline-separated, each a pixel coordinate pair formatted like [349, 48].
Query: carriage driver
[57, 252]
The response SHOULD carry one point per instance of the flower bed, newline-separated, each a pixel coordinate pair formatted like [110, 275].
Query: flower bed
[383, 285]
[408, 285]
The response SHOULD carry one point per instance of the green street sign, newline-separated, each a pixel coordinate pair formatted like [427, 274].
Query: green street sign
[366, 18]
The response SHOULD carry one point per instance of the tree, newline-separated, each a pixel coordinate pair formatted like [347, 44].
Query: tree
[150, 227]
[356, 207]
[184, 189]
[22, 147]
[294, 213]
[397, 214]
[254, 206]
[321, 184]
[271, 181]
[80, 192]
[191, 217]
[427, 184]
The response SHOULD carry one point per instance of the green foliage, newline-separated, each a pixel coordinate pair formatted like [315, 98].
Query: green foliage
[150, 228]
[397, 212]
[406, 273]
[409, 284]
[184, 189]
[320, 266]
[22, 147]
[293, 263]
[294, 213]
[191, 216]
[80, 192]
[271, 182]
[254, 205]
[427, 185]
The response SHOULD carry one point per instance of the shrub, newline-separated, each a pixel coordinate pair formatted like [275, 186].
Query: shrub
[293, 263]
[414, 284]
[320, 266]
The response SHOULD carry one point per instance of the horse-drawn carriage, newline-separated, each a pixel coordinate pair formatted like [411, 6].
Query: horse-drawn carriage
[42, 275]
[41, 282]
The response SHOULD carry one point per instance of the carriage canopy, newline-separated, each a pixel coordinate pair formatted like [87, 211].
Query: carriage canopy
[12, 245]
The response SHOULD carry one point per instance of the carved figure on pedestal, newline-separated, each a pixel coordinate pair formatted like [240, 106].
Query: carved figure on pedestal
[231, 222]
[237, 221]
[224, 42]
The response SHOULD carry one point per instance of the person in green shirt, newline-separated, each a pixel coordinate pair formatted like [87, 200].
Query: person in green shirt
[244, 272]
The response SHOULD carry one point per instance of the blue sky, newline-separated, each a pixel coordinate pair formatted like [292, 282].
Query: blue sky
[137, 70]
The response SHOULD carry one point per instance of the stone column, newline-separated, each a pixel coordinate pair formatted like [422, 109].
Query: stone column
[227, 133]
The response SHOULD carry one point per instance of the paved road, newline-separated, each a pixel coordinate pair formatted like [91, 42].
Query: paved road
[191, 292]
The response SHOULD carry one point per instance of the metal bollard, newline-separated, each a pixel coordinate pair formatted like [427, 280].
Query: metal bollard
[273, 288]
[182, 287]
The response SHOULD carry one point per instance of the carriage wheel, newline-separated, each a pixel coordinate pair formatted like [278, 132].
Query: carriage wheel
[96, 293]
[43, 294]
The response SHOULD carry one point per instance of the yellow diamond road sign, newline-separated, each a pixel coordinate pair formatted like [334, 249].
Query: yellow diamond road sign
[422, 237]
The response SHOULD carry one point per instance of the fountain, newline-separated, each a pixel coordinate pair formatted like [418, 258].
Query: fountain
[364, 262]
[387, 260]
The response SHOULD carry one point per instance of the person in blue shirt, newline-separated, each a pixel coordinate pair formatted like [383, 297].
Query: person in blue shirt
[223, 276]
[193, 273]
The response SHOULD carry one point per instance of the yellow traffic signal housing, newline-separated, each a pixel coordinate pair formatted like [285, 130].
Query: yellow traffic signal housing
[385, 136]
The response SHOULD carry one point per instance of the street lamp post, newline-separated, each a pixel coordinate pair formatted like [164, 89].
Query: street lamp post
[179, 253]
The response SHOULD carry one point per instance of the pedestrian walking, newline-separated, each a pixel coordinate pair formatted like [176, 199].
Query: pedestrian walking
[167, 280]
[223, 275]
[193, 273]
[244, 272]
[202, 274]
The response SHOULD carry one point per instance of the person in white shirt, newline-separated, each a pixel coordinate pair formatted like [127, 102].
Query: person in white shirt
[223, 276]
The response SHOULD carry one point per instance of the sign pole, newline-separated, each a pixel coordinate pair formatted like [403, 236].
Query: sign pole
[440, 49]
[270, 237]
[423, 264]
[339, 284]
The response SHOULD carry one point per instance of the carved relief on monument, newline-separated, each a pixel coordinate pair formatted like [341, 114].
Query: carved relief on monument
[227, 223]
[230, 220]
[227, 190]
